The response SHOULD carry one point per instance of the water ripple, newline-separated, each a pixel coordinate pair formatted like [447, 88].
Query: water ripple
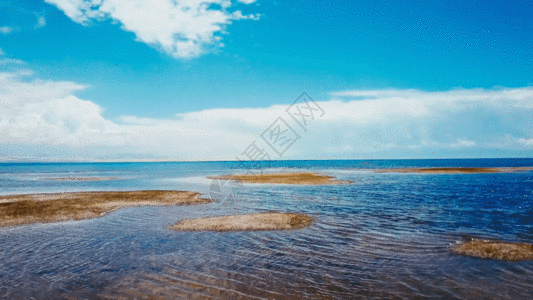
[385, 236]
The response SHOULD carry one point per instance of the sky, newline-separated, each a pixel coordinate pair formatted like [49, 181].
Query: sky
[116, 80]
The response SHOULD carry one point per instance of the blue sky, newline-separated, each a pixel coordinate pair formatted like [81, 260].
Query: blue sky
[149, 71]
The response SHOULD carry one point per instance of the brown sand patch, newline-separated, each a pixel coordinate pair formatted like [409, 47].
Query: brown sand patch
[496, 250]
[454, 170]
[260, 221]
[44, 208]
[284, 178]
[81, 178]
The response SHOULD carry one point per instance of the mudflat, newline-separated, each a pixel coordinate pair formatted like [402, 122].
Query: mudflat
[45, 208]
[259, 221]
[455, 170]
[496, 250]
[306, 178]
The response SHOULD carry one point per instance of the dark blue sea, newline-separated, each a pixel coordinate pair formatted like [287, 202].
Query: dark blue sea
[385, 236]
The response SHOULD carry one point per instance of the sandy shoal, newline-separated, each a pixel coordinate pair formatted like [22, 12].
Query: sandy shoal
[306, 178]
[45, 208]
[259, 221]
[496, 250]
[454, 170]
[81, 178]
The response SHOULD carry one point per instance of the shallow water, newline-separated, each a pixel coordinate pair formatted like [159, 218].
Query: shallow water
[384, 236]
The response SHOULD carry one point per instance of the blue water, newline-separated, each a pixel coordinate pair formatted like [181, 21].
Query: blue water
[387, 235]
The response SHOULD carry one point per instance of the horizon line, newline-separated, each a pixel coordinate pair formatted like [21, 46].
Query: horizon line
[246, 161]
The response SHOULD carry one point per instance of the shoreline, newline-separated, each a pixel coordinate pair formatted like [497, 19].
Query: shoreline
[58, 207]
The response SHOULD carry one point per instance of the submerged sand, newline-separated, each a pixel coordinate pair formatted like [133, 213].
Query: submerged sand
[306, 178]
[496, 250]
[455, 170]
[44, 208]
[259, 221]
[81, 178]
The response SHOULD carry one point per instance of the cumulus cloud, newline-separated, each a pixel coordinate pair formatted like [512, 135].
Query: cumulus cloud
[183, 29]
[37, 113]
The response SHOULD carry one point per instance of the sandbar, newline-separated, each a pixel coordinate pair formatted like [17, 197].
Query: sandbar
[454, 170]
[305, 178]
[259, 221]
[82, 178]
[45, 208]
[496, 250]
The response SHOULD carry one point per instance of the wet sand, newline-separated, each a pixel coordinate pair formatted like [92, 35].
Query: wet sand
[81, 178]
[496, 250]
[454, 170]
[45, 208]
[306, 178]
[260, 221]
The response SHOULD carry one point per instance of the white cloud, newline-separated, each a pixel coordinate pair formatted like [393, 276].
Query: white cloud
[5, 29]
[39, 113]
[524, 95]
[526, 142]
[461, 119]
[41, 22]
[1, 52]
[463, 143]
[239, 16]
[182, 29]
[11, 61]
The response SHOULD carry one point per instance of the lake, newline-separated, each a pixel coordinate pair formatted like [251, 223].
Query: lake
[386, 235]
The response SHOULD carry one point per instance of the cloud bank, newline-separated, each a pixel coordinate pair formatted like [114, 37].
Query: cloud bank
[183, 29]
[45, 119]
